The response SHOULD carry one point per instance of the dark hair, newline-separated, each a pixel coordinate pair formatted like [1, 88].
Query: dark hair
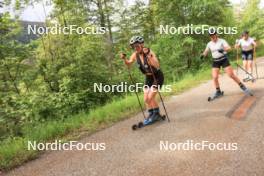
[245, 33]
[212, 31]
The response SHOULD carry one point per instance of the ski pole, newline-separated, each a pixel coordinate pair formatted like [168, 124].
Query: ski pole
[161, 99]
[255, 62]
[245, 70]
[237, 60]
[133, 82]
[237, 56]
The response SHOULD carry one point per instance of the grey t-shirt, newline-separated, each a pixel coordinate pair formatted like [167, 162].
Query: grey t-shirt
[246, 45]
[215, 46]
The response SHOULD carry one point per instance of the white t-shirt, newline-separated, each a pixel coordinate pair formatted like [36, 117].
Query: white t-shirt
[246, 45]
[215, 46]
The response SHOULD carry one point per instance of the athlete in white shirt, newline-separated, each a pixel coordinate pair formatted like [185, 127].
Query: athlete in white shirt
[219, 48]
[247, 45]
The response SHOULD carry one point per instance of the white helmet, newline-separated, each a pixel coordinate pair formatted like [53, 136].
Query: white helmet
[136, 39]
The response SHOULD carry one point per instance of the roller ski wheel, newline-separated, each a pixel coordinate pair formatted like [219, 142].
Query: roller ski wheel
[137, 126]
[134, 127]
[142, 124]
[215, 96]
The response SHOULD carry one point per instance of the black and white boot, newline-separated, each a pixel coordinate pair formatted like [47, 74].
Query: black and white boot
[245, 89]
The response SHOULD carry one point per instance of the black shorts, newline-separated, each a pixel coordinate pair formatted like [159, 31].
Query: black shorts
[247, 55]
[150, 81]
[222, 63]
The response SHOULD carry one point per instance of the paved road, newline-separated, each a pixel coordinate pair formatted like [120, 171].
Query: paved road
[192, 118]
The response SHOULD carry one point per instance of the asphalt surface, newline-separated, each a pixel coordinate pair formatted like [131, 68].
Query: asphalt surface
[193, 118]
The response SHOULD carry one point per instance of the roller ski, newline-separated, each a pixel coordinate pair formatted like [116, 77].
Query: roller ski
[252, 79]
[216, 95]
[249, 77]
[149, 121]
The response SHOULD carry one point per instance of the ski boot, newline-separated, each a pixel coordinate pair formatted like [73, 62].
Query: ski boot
[153, 118]
[216, 95]
[246, 90]
[148, 120]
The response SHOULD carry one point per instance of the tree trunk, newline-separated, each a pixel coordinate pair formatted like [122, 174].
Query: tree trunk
[110, 38]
